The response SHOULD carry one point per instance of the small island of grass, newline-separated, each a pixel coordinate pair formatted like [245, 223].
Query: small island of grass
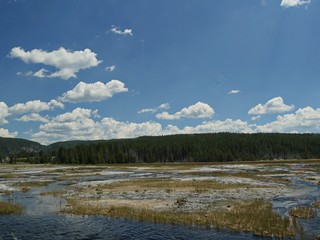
[10, 208]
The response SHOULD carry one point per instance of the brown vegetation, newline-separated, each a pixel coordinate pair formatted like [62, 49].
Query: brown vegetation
[253, 216]
[302, 212]
[10, 208]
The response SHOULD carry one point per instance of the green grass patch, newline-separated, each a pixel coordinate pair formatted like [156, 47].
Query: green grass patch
[10, 208]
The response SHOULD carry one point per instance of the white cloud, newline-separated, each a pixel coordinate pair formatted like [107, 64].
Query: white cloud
[42, 73]
[255, 118]
[227, 125]
[147, 110]
[111, 68]
[294, 3]
[115, 129]
[125, 32]
[234, 92]
[76, 125]
[76, 115]
[6, 134]
[34, 107]
[80, 125]
[3, 113]
[274, 105]
[33, 117]
[303, 120]
[67, 62]
[198, 110]
[163, 106]
[93, 92]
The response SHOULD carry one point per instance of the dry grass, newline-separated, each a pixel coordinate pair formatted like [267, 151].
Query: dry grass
[168, 184]
[9, 175]
[25, 189]
[10, 208]
[316, 204]
[255, 216]
[32, 184]
[302, 212]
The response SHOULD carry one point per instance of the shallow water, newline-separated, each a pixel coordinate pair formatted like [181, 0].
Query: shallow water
[42, 220]
[74, 227]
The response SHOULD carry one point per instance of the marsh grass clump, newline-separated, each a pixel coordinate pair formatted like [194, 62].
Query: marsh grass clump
[25, 189]
[180, 202]
[28, 185]
[302, 212]
[256, 217]
[74, 207]
[10, 208]
[9, 175]
[316, 204]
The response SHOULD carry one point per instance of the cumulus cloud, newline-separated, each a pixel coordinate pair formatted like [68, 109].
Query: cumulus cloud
[303, 120]
[67, 62]
[33, 117]
[234, 92]
[80, 125]
[163, 106]
[3, 113]
[294, 3]
[198, 110]
[34, 107]
[93, 92]
[275, 105]
[111, 68]
[125, 32]
[6, 134]
[116, 129]
[227, 125]
[42, 73]
[255, 118]
[76, 125]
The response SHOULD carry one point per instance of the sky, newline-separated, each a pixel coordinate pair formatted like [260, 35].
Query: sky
[107, 69]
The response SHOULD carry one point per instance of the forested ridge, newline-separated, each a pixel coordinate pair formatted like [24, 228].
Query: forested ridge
[213, 147]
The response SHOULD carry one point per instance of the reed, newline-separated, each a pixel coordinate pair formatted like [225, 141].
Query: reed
[28, 185]
[302, 212]
[10, 208]
[256, 217]
[316, 204]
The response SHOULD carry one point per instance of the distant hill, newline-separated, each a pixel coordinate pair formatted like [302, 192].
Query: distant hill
[16, 145]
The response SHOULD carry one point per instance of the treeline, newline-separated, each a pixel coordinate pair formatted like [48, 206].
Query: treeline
[215, 147]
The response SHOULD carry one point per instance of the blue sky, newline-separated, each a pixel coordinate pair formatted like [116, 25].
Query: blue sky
[104, 69]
